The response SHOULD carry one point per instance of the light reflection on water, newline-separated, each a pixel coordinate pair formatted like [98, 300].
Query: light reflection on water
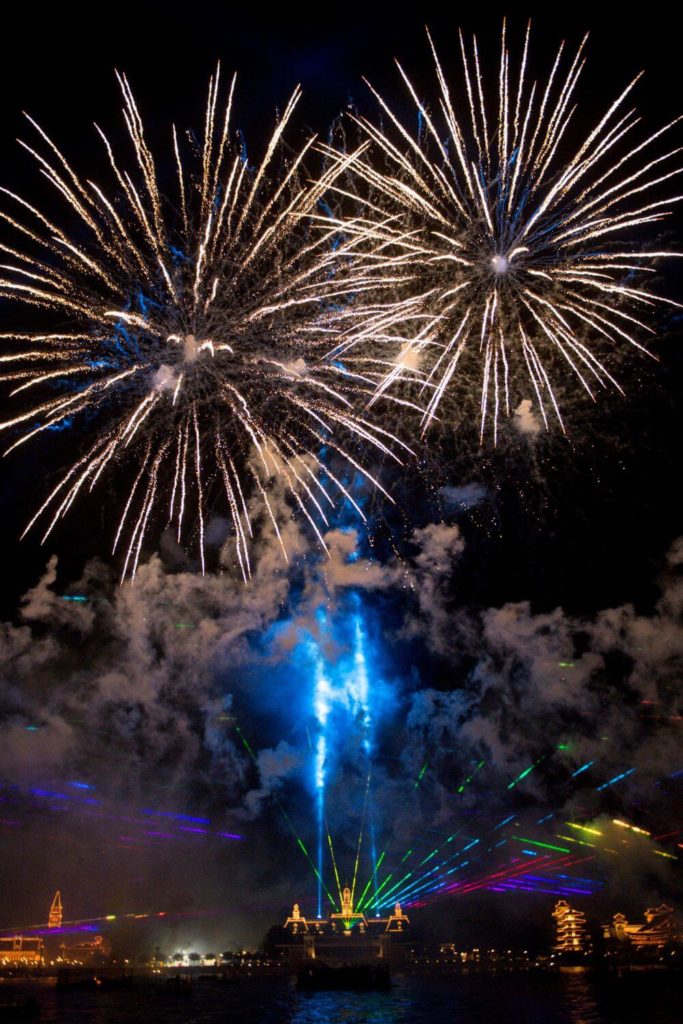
[566, 998]
[579, 997]
[353, 1008]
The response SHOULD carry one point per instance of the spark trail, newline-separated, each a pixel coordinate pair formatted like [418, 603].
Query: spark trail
[182, 341]
[504, 254]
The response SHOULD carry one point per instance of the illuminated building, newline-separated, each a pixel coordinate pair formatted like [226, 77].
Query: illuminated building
[94, 951]
[571, 933]
[30, 950]
[661, 927]
[347, 935]
[18, 949]
[347, 918]
[55, 918]
[296, 923]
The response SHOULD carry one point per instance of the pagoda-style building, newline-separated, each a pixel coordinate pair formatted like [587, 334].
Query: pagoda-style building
[346, 936]
[571, 931]
[661, 927]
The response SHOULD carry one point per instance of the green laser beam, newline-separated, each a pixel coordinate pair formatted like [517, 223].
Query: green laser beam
[527, 771]
[396, 884]
[334, 859]
[545, 846]
[470, 777]
[388, 843]
[360, 840]
[300, 842]
[387, 879]
[369, 881]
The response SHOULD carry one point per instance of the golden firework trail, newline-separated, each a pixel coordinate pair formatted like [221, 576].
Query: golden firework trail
[492, 247]
[184, 338]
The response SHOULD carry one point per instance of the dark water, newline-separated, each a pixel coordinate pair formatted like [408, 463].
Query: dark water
[568, 998]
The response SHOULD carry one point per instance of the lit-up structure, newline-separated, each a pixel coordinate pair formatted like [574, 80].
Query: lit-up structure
[56, 912]
[93, 951]
[346, 936]
[571, 932]
[20, 949]
[662, 926]
[29, 950]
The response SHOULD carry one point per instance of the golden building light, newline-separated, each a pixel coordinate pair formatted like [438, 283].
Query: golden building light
[347, 935]
[55, 917]
[571, 932]
[661, 927]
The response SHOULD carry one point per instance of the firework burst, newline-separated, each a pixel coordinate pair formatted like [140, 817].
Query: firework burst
[184, 339]
[502, 254]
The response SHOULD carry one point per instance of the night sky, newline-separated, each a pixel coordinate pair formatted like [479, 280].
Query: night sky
[523, 608]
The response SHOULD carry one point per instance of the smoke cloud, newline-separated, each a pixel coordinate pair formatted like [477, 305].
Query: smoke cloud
[183, 694]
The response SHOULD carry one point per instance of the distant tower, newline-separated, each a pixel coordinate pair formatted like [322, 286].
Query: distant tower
[571, 932]
[347, 903]
[398, 921]
[55, 918]
[297, 922]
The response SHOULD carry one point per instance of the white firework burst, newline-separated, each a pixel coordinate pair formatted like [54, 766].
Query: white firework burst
[183, 340]
[495, 252]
